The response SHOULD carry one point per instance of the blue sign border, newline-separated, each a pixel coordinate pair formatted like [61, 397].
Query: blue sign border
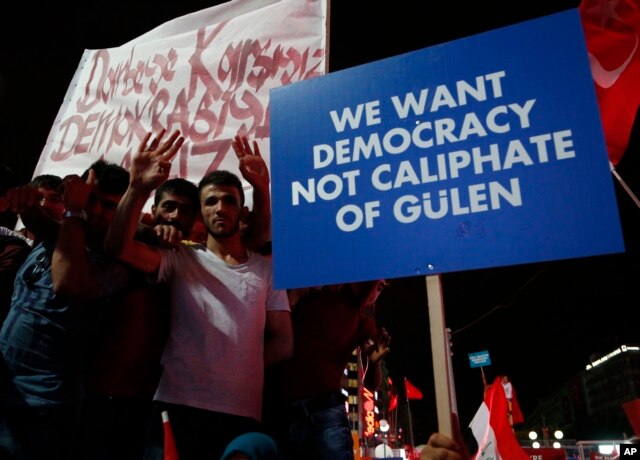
[550, 195]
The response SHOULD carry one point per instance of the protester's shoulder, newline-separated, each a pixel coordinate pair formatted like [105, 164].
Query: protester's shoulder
[190, 248]
[256, 258]
[185, 248]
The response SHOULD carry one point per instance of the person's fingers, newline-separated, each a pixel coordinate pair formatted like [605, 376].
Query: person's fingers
[91, 178]
[256, 149]
[169, 144]
[156, 140]
[154, 145]
[26, 198]
[440, 440]
[246, 146]
[143, 144]
[237, 147]
[438, 453]
[169, 154]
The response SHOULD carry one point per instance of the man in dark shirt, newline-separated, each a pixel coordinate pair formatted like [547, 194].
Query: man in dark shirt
[58, 297]
[13, 252]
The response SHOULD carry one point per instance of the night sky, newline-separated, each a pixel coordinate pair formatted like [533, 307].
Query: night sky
[540, 322]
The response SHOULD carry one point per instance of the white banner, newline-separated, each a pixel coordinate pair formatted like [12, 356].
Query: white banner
[207, 74]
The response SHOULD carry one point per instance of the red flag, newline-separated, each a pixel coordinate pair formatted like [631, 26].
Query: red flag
[516, 412]
[393, 402]
[612, 32]
[490, 427]
[412, 391]
[170, 449]
[632, 410]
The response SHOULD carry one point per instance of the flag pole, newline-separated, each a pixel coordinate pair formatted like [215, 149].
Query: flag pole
[411, 442]
[395, 421]
[624, 185]
[441, 356]
[485, 385]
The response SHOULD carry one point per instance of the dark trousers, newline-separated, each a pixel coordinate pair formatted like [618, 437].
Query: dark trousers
[34, 433]
[113, 428]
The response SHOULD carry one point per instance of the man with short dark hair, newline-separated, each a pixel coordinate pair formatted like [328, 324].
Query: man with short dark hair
[50, 199]
[59, 294]
[48, 185]
[176, 203]
[227, 321]
[124, 369]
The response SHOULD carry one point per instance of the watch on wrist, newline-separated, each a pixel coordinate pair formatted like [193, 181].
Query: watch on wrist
[75, 215]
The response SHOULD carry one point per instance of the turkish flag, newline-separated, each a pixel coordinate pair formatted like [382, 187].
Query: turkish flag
[632, 409]
[170, 449]
[612, 29]
[393, 402]
[412, 391]
[490, 427]
[516, 412]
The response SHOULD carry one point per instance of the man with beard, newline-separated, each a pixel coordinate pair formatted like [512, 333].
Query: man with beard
[227, 323]
[125, 368]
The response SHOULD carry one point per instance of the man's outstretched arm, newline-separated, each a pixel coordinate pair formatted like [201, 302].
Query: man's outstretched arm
[149, 168]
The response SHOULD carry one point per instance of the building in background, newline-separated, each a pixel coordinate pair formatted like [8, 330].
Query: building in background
[591, 404]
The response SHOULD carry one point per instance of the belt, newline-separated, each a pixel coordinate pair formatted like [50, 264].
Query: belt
[307, 407]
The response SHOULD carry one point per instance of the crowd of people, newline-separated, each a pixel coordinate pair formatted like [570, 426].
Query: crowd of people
[112, 317]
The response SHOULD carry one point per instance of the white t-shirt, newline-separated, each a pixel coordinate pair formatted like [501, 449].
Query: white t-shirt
[214, 357]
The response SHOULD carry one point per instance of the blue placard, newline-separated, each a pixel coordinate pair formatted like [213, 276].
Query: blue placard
[482, 152]
[479, 359]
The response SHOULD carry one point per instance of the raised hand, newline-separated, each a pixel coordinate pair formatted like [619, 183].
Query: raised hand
[377, 349]
[168, 236]
[20, 199]
[251, 164]
[75, 191]
[151, 165]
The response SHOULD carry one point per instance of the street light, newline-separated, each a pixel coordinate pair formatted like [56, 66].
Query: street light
[383, 450]
[558, 434]
[533, 436]
[384, 425]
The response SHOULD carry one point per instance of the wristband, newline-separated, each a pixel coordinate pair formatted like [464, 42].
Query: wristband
[75, 214]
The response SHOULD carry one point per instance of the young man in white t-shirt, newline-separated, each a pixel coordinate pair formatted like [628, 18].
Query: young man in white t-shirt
[227, 322]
